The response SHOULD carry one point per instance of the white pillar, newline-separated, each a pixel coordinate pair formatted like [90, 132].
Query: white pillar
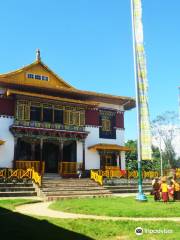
[123, 161]
[117, 159]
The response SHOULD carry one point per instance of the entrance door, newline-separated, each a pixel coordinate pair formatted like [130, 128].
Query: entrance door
[50, 156]
[108, 160]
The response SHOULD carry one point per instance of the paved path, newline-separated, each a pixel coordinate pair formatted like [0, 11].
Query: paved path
[41, 209]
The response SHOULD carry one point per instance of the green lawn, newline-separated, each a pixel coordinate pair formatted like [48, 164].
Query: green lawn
[116, 230]
[18, 226]
[12, 203]
[119, 207]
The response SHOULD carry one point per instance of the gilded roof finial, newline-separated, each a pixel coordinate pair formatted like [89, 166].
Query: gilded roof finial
[38, 55]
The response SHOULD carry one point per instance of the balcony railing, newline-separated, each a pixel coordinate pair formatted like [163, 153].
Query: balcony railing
[69, 168]
[30, 164]
[47, 125]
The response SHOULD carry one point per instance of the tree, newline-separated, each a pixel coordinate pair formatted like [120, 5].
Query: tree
[164, 130]
[131, 158]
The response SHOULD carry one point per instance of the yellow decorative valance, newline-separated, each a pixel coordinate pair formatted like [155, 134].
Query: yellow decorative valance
[105, 146]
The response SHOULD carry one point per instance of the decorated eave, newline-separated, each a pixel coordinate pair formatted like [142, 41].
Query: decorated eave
[55, 88]
[46, 133]
[109, 147]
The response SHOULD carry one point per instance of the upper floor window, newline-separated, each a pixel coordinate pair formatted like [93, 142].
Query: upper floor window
[106, 125]
[47, 115]
[58, 116]
[35, 114]
[37, 76]
[76, 118]
[30, 75]
[45, 112]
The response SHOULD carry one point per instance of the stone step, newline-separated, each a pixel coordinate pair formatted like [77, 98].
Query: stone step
[72, 189]
[18, 194]
[64, 193]
[16, 185]
[54, 198]
[133, 190]
[122, 184]
[68, 186]
[125, 187]
[16, 189]
[66, 181]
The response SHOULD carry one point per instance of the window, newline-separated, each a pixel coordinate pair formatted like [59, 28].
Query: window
[23, 110]
[37, 76]
[30, 75]
[106, 125]
[47, 115]
[35, 114]
[45, 78]
[107, 129]
[58, 116]
[76, 118]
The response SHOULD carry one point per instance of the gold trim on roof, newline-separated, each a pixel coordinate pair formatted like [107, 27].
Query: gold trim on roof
[104, 146]
[11, 79]
[10, 92]
[25, 68]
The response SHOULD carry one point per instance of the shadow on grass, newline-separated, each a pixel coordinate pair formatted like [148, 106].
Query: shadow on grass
[18, 226]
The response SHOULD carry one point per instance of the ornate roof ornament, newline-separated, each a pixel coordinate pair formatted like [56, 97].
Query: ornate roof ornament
[38, 55]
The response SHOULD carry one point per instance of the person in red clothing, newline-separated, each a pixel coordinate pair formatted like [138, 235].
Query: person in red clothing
[164, 190]
[171, 190]
[156, 190]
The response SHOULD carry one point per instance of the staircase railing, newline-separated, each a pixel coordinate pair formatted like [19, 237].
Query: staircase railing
[96, 177]
[30, 173]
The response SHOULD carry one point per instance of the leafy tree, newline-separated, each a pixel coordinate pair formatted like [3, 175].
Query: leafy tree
[131, 158]
[164, 130]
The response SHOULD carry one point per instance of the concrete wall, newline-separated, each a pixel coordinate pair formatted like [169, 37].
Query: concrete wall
[7, 149]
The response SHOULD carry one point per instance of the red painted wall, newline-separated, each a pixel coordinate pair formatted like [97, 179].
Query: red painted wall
[92, 117]
[6, 107]
[120, 120]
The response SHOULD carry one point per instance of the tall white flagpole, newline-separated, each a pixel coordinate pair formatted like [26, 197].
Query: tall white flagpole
[140, 196]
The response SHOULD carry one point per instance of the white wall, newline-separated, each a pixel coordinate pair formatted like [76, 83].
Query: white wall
[7, 149]
[123, 162]
[79, 152]
[92, 157]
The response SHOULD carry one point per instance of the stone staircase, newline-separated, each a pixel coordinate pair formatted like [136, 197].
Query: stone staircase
[55, 187]
[121, 185]
[127, 188]
[17, 189]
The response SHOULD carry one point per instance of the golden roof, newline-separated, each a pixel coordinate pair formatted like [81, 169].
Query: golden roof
[106, 146]
[11, 92]
[55, 85]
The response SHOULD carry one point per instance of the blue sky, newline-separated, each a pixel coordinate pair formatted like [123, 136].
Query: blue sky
[89, 44]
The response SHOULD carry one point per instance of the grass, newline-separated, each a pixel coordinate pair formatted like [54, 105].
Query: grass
[19, 226]
[117, 230]
[13, 203]
[118, 207]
